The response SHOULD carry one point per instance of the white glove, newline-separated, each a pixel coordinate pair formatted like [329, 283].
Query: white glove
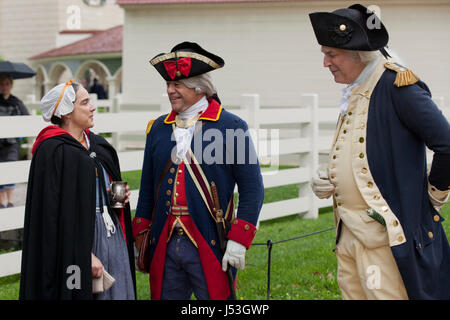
[321, 185]
[438, 203]
[234, 255]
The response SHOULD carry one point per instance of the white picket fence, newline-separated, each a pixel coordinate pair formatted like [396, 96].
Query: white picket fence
[305, 141]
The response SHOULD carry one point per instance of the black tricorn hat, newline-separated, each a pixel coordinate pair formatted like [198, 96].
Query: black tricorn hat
[185, 60]
[352, 28]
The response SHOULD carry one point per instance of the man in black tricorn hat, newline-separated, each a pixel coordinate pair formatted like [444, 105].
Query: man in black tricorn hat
[390, 241]
[188, 182]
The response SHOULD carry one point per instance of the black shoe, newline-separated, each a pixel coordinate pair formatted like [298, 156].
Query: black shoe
[2, 206]
[9, 205]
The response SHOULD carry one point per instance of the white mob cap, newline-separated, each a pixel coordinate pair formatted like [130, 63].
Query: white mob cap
[58, 101]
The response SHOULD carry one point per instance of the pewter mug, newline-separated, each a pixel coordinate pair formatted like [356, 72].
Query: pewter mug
[118, 194]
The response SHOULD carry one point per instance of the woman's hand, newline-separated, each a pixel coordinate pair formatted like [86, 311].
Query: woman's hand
[97, 267]
[127, 194]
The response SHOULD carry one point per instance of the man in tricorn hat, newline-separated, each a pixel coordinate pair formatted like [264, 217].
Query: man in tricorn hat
[390, 240]
[194, 157]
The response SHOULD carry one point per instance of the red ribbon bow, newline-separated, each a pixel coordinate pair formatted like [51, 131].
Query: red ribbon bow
[183, 65]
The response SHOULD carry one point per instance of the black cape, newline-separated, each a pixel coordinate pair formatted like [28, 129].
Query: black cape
[60, 218]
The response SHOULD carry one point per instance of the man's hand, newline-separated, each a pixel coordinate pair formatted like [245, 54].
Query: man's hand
[321, 185]
[234, 255]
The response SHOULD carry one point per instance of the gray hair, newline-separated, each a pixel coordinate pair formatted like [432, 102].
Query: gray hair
[201, 83]
[365, 57]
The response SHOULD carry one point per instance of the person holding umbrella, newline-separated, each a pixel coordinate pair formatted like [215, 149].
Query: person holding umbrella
[10, 105]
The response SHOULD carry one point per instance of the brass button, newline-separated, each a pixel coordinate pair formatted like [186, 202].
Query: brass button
[337, 148]
[178, 182]
[436, 218]
[172, 170]
[332, 176]
[168, 203]
[350, 113]
[400, 238]
[370, 184]
[235, 221]
[364, 170]
[247, 227]
[377, 197]
[419, 246]
[336, 195]
[395, 223]
[339, 204]
[213, 242]
[168, 192]
[345, 131]
[138, 220]
[361, 139]
[430, 235]
[342, 27]
[334, 157]
[363, 125]
[347, 122]
[361, 155]
[170, 181]
[176, 194]
[332, 166]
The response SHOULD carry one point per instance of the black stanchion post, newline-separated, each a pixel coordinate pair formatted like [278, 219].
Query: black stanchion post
[269, 256]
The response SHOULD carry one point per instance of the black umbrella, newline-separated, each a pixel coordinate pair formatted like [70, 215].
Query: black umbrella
[16, 70]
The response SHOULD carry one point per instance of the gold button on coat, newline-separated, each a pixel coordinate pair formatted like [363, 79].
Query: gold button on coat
[377, 197]
[364, 170]
[436, 218]
[400, 238]
[247, 227]
[167, 203]
[172, 170]
[361, 139]
[370, 184]
[168, 192]
[213, 242]
[342, 27]
[361, 155]
[395, 223]
[138, 220]
[430, 235]
[170, 181]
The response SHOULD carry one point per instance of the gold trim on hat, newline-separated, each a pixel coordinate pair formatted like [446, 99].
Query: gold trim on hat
[184, 54]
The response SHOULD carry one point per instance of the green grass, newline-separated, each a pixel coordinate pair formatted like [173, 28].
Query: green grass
[300, 269]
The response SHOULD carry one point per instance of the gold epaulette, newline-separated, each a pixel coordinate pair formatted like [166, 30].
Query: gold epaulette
[149, 126]
[405, 77]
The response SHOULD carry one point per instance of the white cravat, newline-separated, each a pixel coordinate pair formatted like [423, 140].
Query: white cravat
[183, 136]
[347, 91]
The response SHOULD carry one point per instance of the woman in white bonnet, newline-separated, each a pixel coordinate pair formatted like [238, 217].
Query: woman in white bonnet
[74, 242]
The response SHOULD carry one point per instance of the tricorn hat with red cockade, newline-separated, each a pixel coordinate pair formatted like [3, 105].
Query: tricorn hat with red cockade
[186, 60]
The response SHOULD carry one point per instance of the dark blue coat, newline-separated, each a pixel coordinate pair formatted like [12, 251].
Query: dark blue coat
[401, 122]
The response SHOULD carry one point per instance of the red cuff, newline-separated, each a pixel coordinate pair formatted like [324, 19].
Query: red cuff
[242, 232]
[138, 225]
